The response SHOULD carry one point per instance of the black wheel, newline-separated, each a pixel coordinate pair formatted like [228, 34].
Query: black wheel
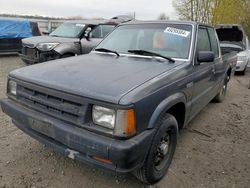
[161, 151]
[222, 93]
[244, 71]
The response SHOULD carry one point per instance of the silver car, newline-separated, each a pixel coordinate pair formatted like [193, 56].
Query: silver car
[69, 39]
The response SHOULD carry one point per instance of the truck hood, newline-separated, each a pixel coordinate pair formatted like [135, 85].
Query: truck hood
[33, 41]
[232, 35]
[98, 76]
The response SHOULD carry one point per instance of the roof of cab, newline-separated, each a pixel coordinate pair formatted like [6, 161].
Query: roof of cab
[161, 21]
[167, 21]
[88, 22]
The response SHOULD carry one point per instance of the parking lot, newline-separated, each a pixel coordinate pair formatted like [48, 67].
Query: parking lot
[213, 151]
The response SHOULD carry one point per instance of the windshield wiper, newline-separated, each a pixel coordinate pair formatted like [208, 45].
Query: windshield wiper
[107, 50]
[53, 35]
[148, 53]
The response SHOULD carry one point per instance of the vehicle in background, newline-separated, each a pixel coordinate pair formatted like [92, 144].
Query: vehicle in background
[121, 106]
[233, 38]
[12, 31]
[122, 19]
[69, 39]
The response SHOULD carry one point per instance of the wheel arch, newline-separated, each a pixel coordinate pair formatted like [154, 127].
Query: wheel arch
[174, 105]
[68, 53]
[229, 73]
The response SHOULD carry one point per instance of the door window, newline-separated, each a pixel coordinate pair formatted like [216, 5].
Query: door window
[101, 31]
[203, 42]
[214, 42]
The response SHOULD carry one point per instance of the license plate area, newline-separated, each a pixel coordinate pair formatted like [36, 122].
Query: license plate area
[42, 127]
[31, 52]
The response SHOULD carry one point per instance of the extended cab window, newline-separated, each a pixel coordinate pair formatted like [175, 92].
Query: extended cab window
[214, 42]
[203, 42]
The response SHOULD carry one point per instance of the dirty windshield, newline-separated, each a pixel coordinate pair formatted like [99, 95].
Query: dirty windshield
[169, 40]
[70, 30]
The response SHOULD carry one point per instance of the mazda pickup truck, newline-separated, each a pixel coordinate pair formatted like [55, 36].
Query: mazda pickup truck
[121, 106]
[72, 38]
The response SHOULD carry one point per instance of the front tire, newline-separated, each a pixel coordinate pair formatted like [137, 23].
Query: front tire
[161, 151]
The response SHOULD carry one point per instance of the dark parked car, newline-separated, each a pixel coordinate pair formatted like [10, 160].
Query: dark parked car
[12, 31]
[121, 106]
[70, 39]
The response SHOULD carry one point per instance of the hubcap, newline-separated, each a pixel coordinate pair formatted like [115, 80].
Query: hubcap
[164, 148]
[162, 151]
[224, 89]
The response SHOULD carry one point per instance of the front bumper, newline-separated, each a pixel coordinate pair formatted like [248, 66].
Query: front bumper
[241, 66]
[39, 57]
[80, 144]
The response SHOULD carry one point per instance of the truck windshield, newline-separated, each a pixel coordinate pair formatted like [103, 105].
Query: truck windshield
[170, 40]
[69, 30]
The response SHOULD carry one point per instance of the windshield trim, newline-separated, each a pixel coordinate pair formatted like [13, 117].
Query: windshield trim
[175, 58]
[137, 55]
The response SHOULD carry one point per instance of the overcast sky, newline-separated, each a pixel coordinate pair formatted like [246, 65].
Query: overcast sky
[145, 9]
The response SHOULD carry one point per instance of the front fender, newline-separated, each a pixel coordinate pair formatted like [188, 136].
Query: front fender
[64, 48]
[164, 106]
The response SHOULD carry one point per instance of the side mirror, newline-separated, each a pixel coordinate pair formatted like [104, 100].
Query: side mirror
[205, 57]
[45, 32]
[87, 33]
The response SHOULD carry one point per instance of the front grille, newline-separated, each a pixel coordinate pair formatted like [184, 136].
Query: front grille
[31, 52]
[50, 104]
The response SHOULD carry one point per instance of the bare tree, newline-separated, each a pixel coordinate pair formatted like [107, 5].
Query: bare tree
[194, 10]
[163, 16]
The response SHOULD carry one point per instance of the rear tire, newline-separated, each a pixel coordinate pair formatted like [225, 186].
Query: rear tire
[161, 151]
[222, 93]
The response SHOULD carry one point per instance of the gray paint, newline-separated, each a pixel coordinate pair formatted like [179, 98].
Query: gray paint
[149, 84]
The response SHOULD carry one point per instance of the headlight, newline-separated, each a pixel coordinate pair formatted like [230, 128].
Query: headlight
[12, 87]
[242, 58]
[104, 116]
[46, 46]
[122, 122]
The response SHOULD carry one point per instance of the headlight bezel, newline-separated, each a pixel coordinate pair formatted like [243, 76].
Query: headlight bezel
[12, 87]
[47, 46]
[103, 113]
[124, 121]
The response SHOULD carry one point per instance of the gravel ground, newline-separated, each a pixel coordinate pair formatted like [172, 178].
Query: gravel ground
[213, 151]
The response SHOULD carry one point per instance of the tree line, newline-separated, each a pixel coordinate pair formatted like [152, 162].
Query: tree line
[215, 11]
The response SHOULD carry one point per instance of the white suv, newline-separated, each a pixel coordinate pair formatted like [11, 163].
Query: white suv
[233, 38]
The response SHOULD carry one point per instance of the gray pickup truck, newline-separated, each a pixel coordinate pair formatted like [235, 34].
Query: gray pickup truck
[69, 39]
[121, 106]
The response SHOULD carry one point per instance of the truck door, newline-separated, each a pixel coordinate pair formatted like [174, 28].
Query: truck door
[219, 66]
[95, 37]
[203, 74]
